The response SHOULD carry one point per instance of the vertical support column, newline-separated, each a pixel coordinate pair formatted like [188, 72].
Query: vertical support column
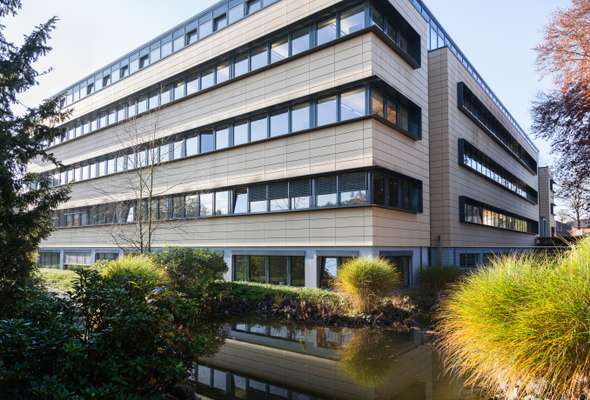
[62, 259]
[92, 256]
[228, 258]
[311, 269]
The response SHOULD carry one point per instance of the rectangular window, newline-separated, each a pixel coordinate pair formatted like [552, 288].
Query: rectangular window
[178, 149]
[111, 166]
[192, 85]
[144, 61]
[240, 133]
[353, 188]
[259, 128]
[121, 160]
[154, 101]
[179, 88]
[257, 269]
[206, 204]
[207, 79]
[85, 172]
[112, 116]
[178, 207]
[240, 201]
[192, 146]
[178, 40]
[222, 203]
[154, 52]
[352, 104]
[300, 41]
[241, 65]
[236, 13]
[102, 168]
[191, 204]
[221, 138]
[257, 198]
[219, 22]
[121, 113]
[92, 170]
[259, 58]
[133, 63]
[164, 153]
[297, 271]
[300, 117]
[205, 28]
[279, 50]
[467, 260]
[166, 48]
[277, 266]
[327, 112]
[223, 72]
[253, 6]
[377, 103]
[326, 31]
[241, 268]
[165, 95]
[352, 21]
[300, 194]
[164, 212]
[207, 142]
[191, 36]
[326, 194]
[279, 124]
[131, 109]
[142, 105]
[278, 196]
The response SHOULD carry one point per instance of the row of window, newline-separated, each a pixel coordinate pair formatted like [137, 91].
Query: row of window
[477, 161]
[324, 191]
[276, 270]
[476, 110]
[316, 112]
[475, 212]
[319, 33]
[196, 29]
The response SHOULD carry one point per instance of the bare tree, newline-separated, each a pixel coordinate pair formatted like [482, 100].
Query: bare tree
[574, 189]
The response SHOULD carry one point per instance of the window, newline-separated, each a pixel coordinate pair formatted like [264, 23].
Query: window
[192, 146]
[259, 58]
[326, 31]
[121, 113]
[353, 188]
[300, 193]
[352, 21]
[142, 105]
[133, 64]
[121, 163]
[279, 124]
[377, 103]
[253, 6]
[352, 104]
[111, 165]
[240, 133]
[178, 40]
[222, 138]
[206, 204]
[85, 172]
[241, 65]
[328, 267]
[219, 22]
[177, 148]
[102, 168]
[207, 79]
[277, 266]
[258, 129]
[131, 109]
[297, 271]
[240, 201]
[191, 36]
[164, 211]
[467, 260]
[240, 268]
[179, 92]
[236, 13]
[278, 196]
[112, 116]
[191, 205]
[131, 161]
[222, 72]
[207, 142]
[474, 212]
[222, 203]
[123, 71]
[279, 50]
[154, 101]
[165, 95]
[257, 195]
[326, 111]
[300, 41]
[166, 48]
[326, 195]
[300, 117]
[154, 52]
[192, 85]
[257, 269]
[93, 170]
[144, 61]
[205, 28]
[164, 153]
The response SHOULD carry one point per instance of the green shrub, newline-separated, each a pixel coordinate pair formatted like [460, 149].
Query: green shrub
[436, 278]
[367, 281]
[107, 342]
[191, 271]
[57, 279]
[522, 322]
[133, 271]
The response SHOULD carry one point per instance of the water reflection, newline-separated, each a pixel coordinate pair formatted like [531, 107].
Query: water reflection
[290, 361]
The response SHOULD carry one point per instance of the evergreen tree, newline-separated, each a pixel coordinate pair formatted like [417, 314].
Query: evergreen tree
[26, 199]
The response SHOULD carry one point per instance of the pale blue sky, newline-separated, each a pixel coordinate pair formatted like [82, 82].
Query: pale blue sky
[497, 36]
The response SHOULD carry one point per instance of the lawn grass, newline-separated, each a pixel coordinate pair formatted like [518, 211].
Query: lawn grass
[57, 279]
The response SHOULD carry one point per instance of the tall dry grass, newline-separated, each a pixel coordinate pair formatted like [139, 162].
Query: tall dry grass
[524, 323]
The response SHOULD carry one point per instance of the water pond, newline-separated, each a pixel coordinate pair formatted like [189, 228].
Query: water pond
[261, 360]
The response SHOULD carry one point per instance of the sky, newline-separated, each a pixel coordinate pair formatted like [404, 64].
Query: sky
[498, 37]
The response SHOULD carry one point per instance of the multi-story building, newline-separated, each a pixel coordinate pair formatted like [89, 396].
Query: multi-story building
[291, 135]
[546, 203]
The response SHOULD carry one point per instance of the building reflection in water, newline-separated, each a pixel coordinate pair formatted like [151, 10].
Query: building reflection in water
[290, 361]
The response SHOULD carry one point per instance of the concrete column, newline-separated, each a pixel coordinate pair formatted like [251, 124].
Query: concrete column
[311, 269]
[228, 258]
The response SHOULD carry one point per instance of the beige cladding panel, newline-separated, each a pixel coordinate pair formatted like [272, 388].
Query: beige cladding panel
[448, 124]
[344, 227]
[234, 36]
[346, 62]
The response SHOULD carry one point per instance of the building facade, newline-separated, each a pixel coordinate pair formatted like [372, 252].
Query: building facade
[288, 135]
[547, 224]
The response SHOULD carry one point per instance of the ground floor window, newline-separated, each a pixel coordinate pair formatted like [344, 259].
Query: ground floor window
[106, 256]
[328, 270]
[48, 259]
[469, 260]
[277, 270]
[404, 266]
[76, 259]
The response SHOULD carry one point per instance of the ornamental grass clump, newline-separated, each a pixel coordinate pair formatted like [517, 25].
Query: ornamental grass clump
[133, 271]
[523, 323]
[367, 281]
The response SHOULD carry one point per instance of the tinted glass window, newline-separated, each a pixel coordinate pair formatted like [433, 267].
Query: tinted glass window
[178, 149]
[192, 146]
[207, 79]
[191, 205]
[279, 50]
[279, 124]
[192, 85]
[326, 111]
[165, 96]
[258, 129]
[166, 48]
[298, 271]
[179, 90]
[259, 58]
[352, 104]
[240, 201]
[278, 196]
[241, 268]
[236, 13]
[277, 270]
[326, 195]
[241, 65]
[300, 117]
[352, 21]
[205, 29]
[222, 138]
[300, 42]
[257, 194]
[253, 5]
[222, 72]
[206, 204]
[165, 152]
[207, 142]
[241, 133]
[300, 194]
[222, 203]
[257, 269]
